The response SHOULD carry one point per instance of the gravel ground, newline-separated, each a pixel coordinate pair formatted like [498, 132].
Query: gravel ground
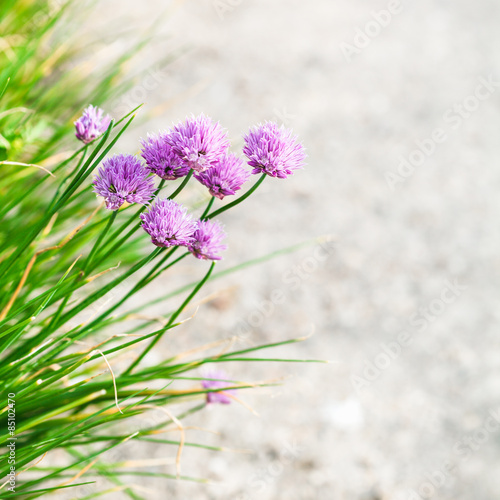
[404, 298]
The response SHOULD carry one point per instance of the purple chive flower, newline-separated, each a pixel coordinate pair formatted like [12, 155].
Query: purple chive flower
[217, 397]
[168, 224]
[273, 150]
[91, 124]
[122, 178]
[207, 240]
[225, 177]
[198, 142]
[160, 158]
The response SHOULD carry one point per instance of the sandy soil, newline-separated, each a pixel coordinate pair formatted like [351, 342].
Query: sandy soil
[404, 300]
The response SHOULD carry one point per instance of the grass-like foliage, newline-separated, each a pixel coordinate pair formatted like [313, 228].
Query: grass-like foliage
[72, 369]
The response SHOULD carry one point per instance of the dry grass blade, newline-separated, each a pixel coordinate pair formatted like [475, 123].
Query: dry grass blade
[180, 427]
[27, 165]
[114, 379]
[242, 403]
[110, 370]
[202, 348]
[151, 462]
[79, 474]
[14, 110]
[92, 278]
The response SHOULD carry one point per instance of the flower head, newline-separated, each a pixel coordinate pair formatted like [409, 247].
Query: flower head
[161, 159]
[273, 150]
[198, 142]
[207, 240]
[91, 124]
[122, 178]
[225, 177]
[222, 397]
[168, 224]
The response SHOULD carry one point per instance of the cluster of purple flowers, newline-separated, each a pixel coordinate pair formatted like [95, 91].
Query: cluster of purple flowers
[196, 145]
[200, 147]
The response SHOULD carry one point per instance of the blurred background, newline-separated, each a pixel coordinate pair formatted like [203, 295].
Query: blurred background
[397, 103]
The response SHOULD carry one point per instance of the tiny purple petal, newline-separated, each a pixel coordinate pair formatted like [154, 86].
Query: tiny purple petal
[91, 124]
[273, 150]
[225, 177]
[122, 178]
[161, 159]
[198, 142]
[168, 224]
[220, 382]
[207, 240]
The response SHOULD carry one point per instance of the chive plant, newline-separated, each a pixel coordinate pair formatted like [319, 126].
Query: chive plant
[81, 237]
